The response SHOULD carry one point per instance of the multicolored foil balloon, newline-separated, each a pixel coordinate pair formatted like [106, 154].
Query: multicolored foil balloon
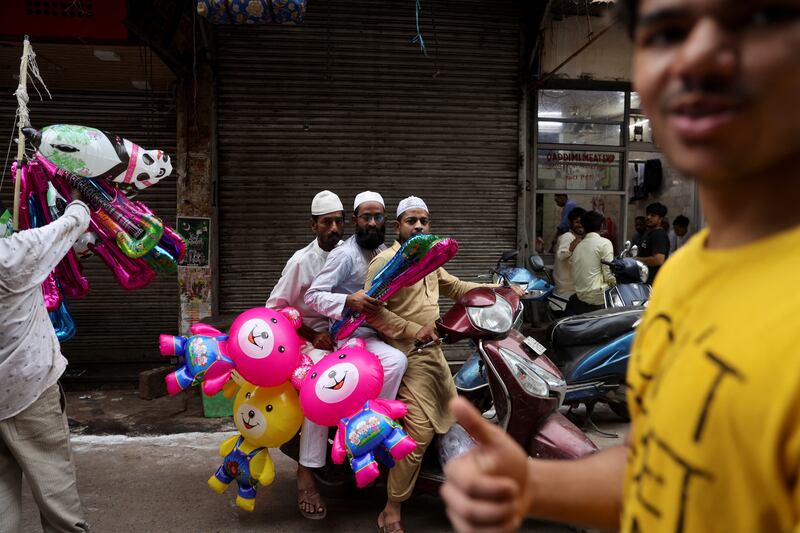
[195, 354]
[419, 256]
[92, 153]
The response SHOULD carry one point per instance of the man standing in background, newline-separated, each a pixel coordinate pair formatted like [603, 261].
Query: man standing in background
[565, 245]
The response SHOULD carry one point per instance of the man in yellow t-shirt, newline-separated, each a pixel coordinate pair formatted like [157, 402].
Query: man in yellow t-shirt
[714, 378]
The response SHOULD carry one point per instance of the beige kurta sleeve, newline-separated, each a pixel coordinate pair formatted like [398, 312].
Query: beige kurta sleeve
[388, 324]
[452, 287]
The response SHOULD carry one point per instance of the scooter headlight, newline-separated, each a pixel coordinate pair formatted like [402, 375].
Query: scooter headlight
[496, 318]
[533, 379]
[535, 294]
[643, 271]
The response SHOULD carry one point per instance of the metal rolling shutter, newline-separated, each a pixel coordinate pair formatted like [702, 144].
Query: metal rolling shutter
[345, 102]
[116, 326]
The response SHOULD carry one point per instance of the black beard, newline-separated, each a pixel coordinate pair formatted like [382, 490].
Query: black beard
[370, 239]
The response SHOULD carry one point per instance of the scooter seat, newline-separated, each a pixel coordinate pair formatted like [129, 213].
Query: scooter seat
[591, 329]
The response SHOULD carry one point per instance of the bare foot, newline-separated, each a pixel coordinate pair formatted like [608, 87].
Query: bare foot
[389, 519]
[309, 501]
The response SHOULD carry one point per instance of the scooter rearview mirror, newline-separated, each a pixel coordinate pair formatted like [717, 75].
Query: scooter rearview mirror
[537, 263]
[509, 255]
[634, 251]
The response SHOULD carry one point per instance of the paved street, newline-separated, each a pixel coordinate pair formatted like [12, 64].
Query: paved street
[140, 483]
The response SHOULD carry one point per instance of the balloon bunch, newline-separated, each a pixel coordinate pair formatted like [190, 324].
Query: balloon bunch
[125, 234]
[263, 347]
[417, 257]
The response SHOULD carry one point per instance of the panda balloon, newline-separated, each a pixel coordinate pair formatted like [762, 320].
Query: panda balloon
[93, 153]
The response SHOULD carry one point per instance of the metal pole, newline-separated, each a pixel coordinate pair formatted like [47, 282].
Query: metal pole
[23, 82]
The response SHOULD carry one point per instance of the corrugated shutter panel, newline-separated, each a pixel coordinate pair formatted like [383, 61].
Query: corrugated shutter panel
[114, 325]
[346, 102]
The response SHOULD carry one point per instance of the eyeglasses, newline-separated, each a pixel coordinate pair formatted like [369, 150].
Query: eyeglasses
[366, 217]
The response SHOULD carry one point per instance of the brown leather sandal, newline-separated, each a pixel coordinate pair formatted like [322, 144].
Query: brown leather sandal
[304, 496]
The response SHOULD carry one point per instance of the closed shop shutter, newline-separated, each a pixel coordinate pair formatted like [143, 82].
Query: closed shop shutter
[346, 102]
[113, 325]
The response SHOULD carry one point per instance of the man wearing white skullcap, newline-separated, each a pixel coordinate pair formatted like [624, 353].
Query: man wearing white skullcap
[327, 221]
[427, 386]
[340, 284]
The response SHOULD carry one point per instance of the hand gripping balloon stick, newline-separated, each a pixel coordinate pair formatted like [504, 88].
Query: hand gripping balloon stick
[132, 239]
[419, 256]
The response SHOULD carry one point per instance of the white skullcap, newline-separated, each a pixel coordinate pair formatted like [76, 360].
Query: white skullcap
[412, 202]
[325, 202]
[367, 196]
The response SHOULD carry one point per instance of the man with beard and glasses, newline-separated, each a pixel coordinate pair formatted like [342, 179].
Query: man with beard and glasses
[714, 389]
[327, 221]
[340, 284]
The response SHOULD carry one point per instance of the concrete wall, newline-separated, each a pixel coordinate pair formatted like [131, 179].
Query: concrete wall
[608, 58]
[195, 188]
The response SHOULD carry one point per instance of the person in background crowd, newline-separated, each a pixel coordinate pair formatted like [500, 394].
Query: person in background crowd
[654, 247]
[640, 227]
[665, 225]
[565, 245]
[681, 226]
[590, 275]
[566, 205]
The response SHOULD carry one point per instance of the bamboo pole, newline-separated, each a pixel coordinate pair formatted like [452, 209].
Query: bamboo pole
[23, 82]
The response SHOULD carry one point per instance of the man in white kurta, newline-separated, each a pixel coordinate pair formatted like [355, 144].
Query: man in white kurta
[327, 219]
[34, 436]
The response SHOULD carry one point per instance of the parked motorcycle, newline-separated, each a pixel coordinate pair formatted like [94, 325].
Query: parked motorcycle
[591, 349]
[523, 390]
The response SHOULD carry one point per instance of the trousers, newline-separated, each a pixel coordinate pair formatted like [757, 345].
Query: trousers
[35, 442]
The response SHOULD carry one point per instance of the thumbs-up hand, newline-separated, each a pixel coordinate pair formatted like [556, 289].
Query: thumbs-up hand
[486, 488]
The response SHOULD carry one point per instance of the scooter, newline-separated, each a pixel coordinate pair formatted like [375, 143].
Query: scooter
[524, 389]
[592, 349]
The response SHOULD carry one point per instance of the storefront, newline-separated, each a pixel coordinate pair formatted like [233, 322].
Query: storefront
[347, 102]
[592, 143]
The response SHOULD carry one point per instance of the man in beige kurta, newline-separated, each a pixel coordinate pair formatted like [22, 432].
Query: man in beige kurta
[427, 385]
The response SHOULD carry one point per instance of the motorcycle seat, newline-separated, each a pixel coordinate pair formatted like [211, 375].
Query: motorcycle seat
[568, 357]
[597, 327]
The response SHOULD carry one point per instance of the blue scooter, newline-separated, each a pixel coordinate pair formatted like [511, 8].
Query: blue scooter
[592, 349]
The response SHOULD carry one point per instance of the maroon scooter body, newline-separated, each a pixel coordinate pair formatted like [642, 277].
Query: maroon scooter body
[533, 421]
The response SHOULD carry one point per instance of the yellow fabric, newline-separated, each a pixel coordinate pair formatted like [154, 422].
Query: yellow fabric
[715, 393]
[427, 378]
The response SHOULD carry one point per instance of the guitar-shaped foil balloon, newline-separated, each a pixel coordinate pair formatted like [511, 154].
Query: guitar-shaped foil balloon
[419, 256]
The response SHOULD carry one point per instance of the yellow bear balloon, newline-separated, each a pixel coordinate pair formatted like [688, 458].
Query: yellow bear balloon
[266, 417]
